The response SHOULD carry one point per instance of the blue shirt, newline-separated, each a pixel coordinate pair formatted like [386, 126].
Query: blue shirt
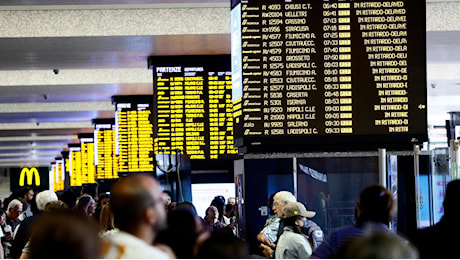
[271, 228]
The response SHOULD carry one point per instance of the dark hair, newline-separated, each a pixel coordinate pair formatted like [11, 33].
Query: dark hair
[181, 233]
[219, 203]
[376, 204]
[290, 222]
[69, 198]
[186, 205]
[229, 207]
[223, 245]
[24, 191]
[128, 201]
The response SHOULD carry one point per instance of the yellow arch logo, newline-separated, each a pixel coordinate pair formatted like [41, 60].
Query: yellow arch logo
[30, 173]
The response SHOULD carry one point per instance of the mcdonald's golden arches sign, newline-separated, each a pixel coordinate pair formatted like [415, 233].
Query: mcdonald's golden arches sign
[29, 175]
[33, 176]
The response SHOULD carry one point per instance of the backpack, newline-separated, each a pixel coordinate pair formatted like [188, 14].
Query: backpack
[314, 233]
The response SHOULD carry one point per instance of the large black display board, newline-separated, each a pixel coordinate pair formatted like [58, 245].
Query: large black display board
[318, 74]
[105, 157]
[193, 105]
[134, 133]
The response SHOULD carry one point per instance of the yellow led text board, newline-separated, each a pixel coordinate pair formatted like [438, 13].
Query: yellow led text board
[59, 175]
[88, 169]
[75, 165]
[339, 73]
[193, 106]
[134, 133]
[105, 158]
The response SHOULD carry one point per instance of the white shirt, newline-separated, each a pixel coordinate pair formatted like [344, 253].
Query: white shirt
[292, 245]
[123, 245]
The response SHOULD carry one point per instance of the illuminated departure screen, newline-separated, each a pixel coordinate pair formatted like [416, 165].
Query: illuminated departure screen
[310, 73]
[193, 106]
[88, 169]
[134, 133]
[75, 164]
[105, 158]
[59, 175]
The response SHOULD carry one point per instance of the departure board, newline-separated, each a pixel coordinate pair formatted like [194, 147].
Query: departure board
[88, 169]
[75, 165]
[134, 133]
[193, 106]
[105, 158]
[59, 175]
[309, 73]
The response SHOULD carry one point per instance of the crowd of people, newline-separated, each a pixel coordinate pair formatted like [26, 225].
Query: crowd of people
[139, 220]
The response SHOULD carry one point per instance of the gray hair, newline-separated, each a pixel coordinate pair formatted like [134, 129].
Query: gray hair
[285, 197]
[14, 203]
[44, 198]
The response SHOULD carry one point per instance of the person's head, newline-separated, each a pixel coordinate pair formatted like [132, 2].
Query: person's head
[188, 206]
[14, 209]
[44, 198]
[280, 199]
[103, 200]
[375, 204]
[295, 214]
[219, 203]
[451, 199]
[212, 214]
[180, 221]
[167, 197]
[54, 207]
[27, 193]
[136, 202]
[223, 245]
[64, 235]
[377, 245]
[69, 198]
[229, 210]
[86, 204]
[106, 218]
[231, 200]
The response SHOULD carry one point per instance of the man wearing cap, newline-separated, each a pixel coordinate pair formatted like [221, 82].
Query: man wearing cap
[292, 243]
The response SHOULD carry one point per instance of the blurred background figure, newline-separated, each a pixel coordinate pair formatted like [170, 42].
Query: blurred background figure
[65, 236]
[69, 198]
[102, 200]
[211, 220]
[27, 194]
[219, 203]
[377, 245]
[229, 219]
[85, 205]
[223, 245]
[106, 222]
[231, 200]
[438, 241]
[14, 210]
[182, 232]
[374, 210]
[24, 229]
